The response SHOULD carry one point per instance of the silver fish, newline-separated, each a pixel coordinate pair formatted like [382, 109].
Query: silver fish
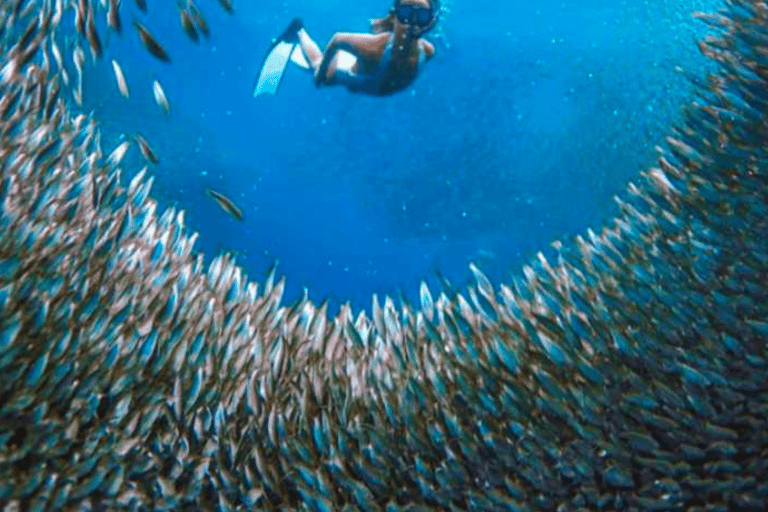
[113, 17]
[151, 44]
[198, 18]
[117, 155]
[146, 151]
[226, 204]
[187, 24]
[78, 59]
[160, 99]
[120, 78]
[227, 6]
[94, 41]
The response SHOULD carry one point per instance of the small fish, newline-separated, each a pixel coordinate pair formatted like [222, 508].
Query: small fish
[57, 54]
[30, 52]
[227, 5]
[40, 97]
[197, 17]
[58, 13]
[142, 5]
[29, 33]
[188, 25]
[53, 95]
[113, 17]
[160, 98]
[80, 11]
[121, 83]
[93, 38]
[145, 149]
[46, 67]
[78, 58]
[226, 204]
[151, 44]
[118, 154]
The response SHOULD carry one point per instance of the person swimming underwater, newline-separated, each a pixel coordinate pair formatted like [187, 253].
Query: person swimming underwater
[379, 64]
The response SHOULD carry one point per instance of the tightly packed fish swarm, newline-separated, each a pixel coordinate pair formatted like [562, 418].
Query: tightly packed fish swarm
[628, 375]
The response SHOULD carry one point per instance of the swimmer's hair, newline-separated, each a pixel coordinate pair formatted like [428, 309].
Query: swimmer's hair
[386, 24]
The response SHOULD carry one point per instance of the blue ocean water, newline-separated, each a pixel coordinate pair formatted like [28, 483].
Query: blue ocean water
[519, 132]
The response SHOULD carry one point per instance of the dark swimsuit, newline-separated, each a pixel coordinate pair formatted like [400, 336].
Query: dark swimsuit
[371, 82]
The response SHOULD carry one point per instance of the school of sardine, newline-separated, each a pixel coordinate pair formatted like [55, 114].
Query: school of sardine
[629, 374]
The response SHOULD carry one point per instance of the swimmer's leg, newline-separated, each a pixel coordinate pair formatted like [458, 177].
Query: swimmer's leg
[311, 51]
[315, 57]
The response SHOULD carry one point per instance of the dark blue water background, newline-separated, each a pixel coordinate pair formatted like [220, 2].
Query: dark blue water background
[527, 122]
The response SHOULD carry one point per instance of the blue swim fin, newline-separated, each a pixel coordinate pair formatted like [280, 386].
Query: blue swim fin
[280, 53]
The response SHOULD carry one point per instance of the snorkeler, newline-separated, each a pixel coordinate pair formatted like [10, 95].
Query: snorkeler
[379, 64]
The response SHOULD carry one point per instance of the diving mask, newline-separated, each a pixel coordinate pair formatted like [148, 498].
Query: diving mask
[421, 17]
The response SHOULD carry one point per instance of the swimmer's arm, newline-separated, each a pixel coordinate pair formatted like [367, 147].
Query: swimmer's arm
[362, 46]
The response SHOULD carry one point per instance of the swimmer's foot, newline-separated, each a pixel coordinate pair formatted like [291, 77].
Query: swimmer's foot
[291, 33]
